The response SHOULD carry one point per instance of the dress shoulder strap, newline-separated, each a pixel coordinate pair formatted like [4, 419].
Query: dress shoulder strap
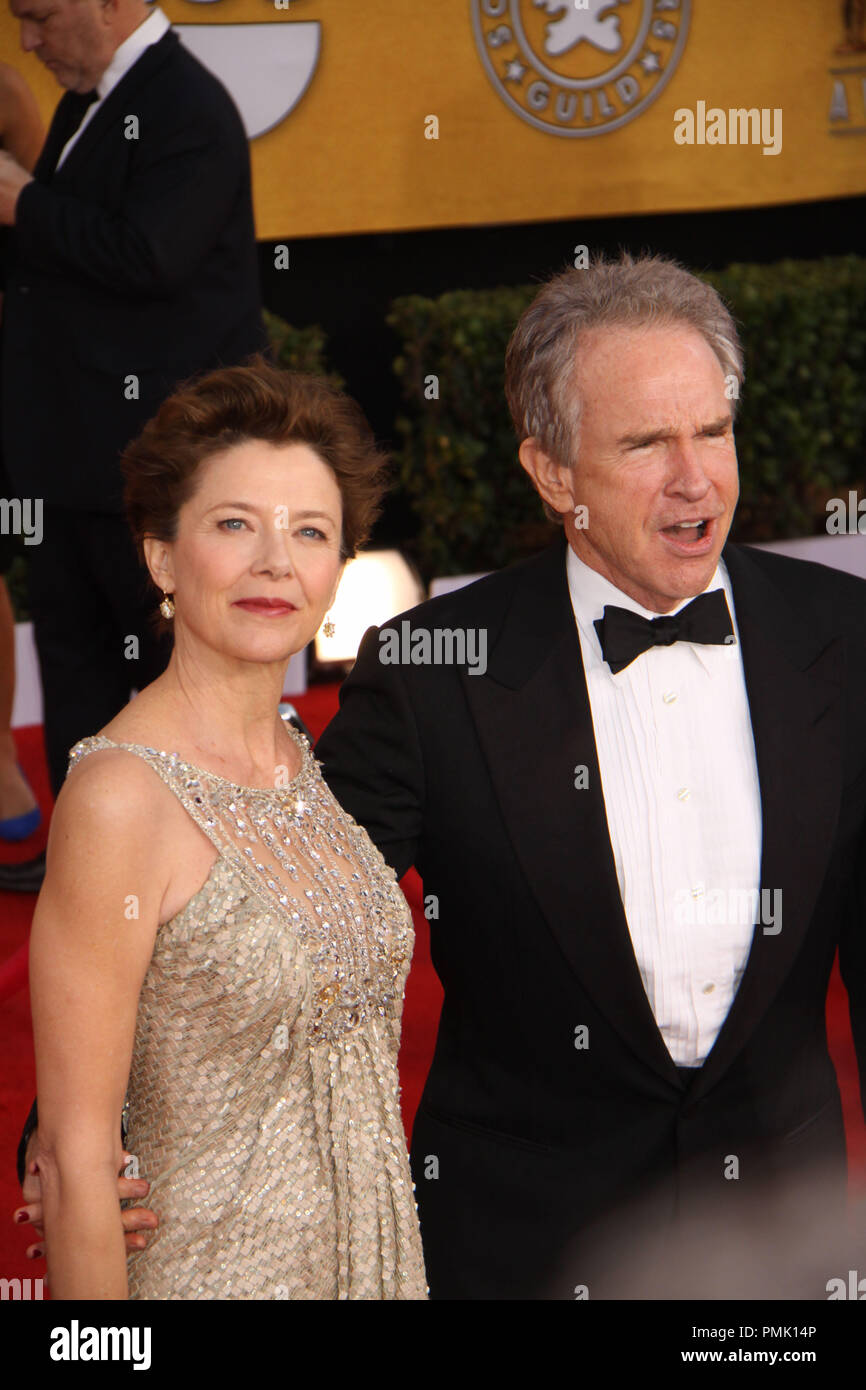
[184, 780]
[226, 813]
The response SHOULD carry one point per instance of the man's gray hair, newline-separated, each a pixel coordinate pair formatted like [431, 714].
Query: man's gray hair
[542, 363]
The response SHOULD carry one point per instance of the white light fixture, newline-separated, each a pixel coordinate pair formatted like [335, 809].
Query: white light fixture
[375, 587]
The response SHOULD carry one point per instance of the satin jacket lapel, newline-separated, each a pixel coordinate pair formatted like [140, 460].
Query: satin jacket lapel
[533, 719]
[58, 134]
[793, 680]
[117, 102]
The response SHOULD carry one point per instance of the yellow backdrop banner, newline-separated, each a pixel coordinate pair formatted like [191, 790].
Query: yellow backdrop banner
[397, 114]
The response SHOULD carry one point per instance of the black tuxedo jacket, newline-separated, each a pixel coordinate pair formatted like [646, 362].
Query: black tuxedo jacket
[522, 1139]
[136, 258]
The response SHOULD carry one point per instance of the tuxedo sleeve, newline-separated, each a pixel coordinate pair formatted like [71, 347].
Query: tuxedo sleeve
[180, 187]
[371, 756]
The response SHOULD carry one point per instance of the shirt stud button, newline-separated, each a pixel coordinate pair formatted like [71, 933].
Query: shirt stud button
[683, 794]
[669, 696]
[708, 989]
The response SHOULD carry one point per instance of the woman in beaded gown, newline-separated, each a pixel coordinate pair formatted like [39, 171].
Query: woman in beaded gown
[217, 941]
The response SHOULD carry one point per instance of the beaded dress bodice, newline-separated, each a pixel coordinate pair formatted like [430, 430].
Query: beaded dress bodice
[263, 1097]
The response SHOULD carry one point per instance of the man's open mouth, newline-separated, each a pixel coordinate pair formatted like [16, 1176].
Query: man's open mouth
[688, 530]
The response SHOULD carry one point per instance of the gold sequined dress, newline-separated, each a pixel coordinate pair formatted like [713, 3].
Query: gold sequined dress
[263, 1099]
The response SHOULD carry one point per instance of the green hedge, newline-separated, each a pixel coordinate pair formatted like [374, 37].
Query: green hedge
[299, 349]
[800, 428]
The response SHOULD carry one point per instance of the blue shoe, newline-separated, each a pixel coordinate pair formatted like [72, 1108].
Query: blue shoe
[15, 828]
[19, 827]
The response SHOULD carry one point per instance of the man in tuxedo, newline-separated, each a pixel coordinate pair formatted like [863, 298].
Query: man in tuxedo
[130, 264]
[642, 826]
[641, 822]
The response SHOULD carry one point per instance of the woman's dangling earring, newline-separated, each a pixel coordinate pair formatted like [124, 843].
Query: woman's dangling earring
[166, 608]
[328, 628]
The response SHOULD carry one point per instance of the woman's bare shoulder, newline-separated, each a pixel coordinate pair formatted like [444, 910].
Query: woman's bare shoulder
[114, 787]
[113, 823]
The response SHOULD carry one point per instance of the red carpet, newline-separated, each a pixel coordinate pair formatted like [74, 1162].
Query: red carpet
[423, 1000]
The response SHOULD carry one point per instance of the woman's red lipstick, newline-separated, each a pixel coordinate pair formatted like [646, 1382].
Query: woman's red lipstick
[270, 607]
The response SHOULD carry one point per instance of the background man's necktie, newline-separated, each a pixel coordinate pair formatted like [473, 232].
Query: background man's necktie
[67, 118]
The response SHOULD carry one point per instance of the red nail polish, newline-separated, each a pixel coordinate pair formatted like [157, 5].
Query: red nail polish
[21, 1216]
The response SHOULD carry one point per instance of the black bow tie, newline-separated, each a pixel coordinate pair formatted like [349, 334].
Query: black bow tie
[624, 635]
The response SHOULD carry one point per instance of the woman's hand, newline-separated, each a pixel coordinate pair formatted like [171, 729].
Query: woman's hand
[138, 1222]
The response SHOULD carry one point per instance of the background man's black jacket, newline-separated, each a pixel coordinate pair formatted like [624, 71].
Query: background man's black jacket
[136, 258]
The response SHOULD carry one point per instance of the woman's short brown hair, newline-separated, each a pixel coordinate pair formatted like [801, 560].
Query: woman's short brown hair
[228, 406]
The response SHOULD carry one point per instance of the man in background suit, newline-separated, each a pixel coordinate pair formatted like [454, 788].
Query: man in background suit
[22, 134]
[639, 810]
[130, 264]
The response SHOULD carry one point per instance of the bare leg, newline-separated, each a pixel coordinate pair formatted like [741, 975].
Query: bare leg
[16, 798]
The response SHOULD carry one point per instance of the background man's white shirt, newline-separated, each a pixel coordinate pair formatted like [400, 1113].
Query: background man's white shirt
[680, 783]
[149, 31]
